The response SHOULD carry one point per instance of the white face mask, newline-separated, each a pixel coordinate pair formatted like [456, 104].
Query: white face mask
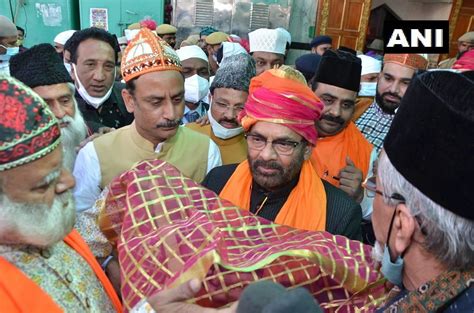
[367, 89]
[93, 101]
[222, 132]
[11, 51]
[68, 67]
[195, 88]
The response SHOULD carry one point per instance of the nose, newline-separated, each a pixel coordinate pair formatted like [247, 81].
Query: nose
[170, 110]
[57, 109]
[268, 153]
[65, 182]
[99, 74]
[394, 88]
[335, 109]
[229, 113]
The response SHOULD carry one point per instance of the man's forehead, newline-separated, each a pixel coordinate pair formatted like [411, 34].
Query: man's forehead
[194, 63]
[398, 70]
[53, 91]
[274, 130]
[268, 56]
[95, 50]
[335, 91]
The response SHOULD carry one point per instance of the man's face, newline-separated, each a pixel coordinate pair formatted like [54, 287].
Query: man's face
[157, 104]
[391, 86]
[20, 35]
[170, 39]
[321, 48]
[369, 78]
[338, 108]
[95, 66]
[7, 42]
[59, 98]
[195, 66]
[464, 46]
[269, 169]
[202, 43]
[36, 204]
[267, 60]
[227, 103]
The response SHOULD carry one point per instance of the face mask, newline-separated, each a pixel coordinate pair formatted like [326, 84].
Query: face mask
[68, 67]
[393, 271]
[11, 51]
[222, 132]
[367, 89]
[93, 101]
[195, 88]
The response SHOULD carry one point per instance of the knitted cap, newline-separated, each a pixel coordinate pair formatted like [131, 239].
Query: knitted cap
[267, 40]
[235, 72]
[28, 128]
[39, 66]
[148, 53]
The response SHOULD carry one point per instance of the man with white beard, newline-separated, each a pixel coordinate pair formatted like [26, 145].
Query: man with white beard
[41, 69]
[45, 264]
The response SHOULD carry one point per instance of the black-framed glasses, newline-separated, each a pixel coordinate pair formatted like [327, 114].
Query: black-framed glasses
[370, 186]
[282, 147]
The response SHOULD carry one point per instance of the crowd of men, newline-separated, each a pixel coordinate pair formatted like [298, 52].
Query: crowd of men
[375, 148]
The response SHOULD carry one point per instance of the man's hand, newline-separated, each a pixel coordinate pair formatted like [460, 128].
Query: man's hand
[351, 181]
[173, 300]
[203, 120]
[102, 131]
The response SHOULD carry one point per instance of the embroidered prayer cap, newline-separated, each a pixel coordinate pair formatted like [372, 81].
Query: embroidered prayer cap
[370, 65]
[285, 33]
[235, 72]
[319, 40]
[308, 64]
[339, 68]
[7, 28]
[166, 29]
[64, 36]
[28, 128]
[430, 141]
[190, 52]
[267, 40]
[40, 65]
[282, 96]
[467, 37]
[411, 60]
[148, 53]
[217, 38]
[227, 49]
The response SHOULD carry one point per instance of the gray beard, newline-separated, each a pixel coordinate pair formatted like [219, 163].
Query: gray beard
[72, 136]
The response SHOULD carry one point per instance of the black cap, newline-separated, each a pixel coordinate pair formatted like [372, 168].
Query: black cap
[319, 40]
[341, 69]
[308, 64]
[431, 139]
[39, 66]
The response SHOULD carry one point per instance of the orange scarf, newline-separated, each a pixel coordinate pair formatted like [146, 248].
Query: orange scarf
[14, 284]
[305, 207]
[361, 105]
[329, 155]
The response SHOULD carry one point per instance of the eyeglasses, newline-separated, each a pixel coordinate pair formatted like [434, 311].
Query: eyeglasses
[222, 108]
[370, 186]
[282, 147]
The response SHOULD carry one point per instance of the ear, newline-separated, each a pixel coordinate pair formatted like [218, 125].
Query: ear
[129, 101]
[73, 73]
[404, 228]
[307, 151]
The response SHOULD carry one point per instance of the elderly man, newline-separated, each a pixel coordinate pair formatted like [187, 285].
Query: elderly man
[93, 59]
[229, 91]
[167, 32]
[8, 43]
[277, 181]
[465, 43]
[267, 47]
[41, 69]
[397, 72]
[371, 68]
[196, 82]
[320, 44]
[155, 95]
[342, 154]
[41, 256]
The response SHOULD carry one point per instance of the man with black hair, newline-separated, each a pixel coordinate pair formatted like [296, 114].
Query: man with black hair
[21, 36]
[93, 59]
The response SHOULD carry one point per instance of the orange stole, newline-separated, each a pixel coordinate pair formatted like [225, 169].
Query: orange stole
[361, 105]
[305, 207]
[18, 293]
[329, 155]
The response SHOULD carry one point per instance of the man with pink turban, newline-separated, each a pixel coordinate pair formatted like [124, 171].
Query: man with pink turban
[277, 181]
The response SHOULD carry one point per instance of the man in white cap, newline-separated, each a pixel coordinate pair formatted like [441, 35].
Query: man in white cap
[61, 38]
[371, 68]
[465, 43]
[288, 38]
[196, 82]
[8, 43]
[267, 47]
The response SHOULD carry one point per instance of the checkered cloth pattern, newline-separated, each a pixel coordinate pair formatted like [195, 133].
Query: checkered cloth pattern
[169, 229]
[375, 124]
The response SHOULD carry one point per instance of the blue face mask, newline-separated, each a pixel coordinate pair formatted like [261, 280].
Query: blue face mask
[393, 271]
[11, 51]
[367, 89]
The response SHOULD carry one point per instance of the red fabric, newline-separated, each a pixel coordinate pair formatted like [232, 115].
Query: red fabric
[465, 62]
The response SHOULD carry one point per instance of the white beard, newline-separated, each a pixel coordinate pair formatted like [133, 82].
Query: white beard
[377, 252]
[72, 136]
[38, 225]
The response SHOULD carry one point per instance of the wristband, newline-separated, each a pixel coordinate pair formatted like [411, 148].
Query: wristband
[106, 262]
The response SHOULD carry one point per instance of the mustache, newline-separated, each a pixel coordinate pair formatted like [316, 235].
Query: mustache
[333, 119]
[231, 120]
[392, 94]
[267, 164]
[169, 124]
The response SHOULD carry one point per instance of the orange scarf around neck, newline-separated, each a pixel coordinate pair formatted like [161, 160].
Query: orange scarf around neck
[18, 293]
[305, 207]
[329, 155]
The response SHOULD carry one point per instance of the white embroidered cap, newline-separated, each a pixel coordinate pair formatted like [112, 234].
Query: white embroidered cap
[267, 40]
[189, 52]
[369, 65]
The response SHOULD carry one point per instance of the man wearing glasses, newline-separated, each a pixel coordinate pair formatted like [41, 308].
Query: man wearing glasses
[277, 181]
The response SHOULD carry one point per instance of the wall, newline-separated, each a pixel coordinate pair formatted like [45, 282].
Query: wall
[417, 10]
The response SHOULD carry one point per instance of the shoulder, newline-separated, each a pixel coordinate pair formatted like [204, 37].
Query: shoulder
[194, 134]
[217, 178]
[110, 137]
[202, 129]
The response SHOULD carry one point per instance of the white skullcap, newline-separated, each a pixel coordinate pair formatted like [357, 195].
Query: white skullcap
[7, 28]
[131, 33]
[64, 36]
[286, 33]
[267, 40]
[231, 48]
[188, 52]
[369, 65]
